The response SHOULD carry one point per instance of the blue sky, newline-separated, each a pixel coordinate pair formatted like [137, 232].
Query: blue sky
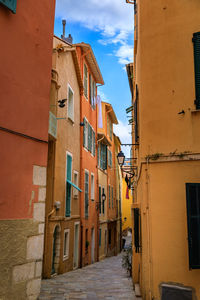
[107, 25]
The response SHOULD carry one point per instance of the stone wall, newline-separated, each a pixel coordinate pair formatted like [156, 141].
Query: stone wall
[22, 248]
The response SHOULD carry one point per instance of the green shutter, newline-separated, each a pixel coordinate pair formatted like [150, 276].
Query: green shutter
[84, 132]
[94, 143]
[68, 186]
[90, 85]
[86, 193]
[85, 81]
[193, 218]
[99, 199]
[11, 4]
[196, 44]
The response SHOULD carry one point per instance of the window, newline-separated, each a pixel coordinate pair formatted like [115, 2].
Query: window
[11, 4]
[196, 47]
[103, 202]
[66, 244]
[99, 199]
[86, 192]
[103, 156]
[109, 158]
[112, 197]
[68, 185]
[85, 81]
[94, 95]
[89, 141]
[75, 191]
[109, 236]
[92, 186]
[100, 237]
[193, 220]
[91, 88]
[109, 193]
[70, 110]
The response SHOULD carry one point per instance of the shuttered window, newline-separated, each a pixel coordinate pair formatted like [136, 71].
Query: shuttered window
[103, 157]
[89, 137]
[94, 143]
[99, 200]
[86, 193]
[11, 4]
[103, 202]
[91, 89]
[136, 116]
[68, 186]
[193, 220]
[196, 44]
[94, 95]
[85, 81]
[109, 158]
[85, 133]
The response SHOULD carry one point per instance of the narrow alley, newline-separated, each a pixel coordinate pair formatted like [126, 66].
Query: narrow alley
[103, 280]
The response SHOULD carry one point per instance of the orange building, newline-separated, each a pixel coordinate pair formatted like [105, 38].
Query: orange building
[25, 85]
[91, 75]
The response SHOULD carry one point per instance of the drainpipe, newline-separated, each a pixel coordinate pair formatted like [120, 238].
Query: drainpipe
[149, 230]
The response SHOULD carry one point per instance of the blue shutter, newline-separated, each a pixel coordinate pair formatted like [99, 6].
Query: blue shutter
[193, 220]
[11, 4]
[68, 186]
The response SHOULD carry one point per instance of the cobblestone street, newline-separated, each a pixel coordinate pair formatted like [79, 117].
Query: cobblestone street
[103, 280]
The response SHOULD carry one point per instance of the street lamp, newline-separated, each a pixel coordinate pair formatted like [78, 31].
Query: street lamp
[120, 158]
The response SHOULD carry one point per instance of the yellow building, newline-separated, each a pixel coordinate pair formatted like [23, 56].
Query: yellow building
[166, 115]
[126, 206]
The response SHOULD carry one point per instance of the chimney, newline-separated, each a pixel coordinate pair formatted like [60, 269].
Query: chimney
[68, 39]
[63, 35]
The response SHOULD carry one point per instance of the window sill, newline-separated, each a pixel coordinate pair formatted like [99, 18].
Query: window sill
[195, 111]
[71, 121]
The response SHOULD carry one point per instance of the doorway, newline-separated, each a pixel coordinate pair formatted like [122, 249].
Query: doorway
[76, 245]
[92, 245]
[56, 250]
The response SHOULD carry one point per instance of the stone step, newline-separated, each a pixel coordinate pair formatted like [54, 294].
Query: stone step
[137, 291]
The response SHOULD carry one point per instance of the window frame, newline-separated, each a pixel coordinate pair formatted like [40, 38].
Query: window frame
[75, 191]
[68, 90]
[86, 215]
[92, 190]
[85, 81]
[68, 154]
[66, 256]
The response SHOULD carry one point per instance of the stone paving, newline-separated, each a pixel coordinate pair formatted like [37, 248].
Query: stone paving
[104, 280]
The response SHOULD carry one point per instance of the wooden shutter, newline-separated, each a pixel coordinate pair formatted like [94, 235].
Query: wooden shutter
[68, 186]
[94, 143]
[99, 199]
[89, 137]
[104, 157]
[86, 193]
[11, 4]
[196, 44]
[193, 220]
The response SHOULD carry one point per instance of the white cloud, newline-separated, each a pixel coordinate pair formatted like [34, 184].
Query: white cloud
[103, 96]
[114, 19]
[107, 16]
[125, 54]
[123, 131]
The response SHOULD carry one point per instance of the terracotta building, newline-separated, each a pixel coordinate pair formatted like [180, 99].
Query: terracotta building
[25, 85]
[166, 128]
[91, 76]
[62, 234]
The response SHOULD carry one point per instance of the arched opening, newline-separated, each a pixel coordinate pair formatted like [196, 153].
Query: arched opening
[56, 250]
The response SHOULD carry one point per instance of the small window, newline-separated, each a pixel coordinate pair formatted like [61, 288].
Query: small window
[70, 111]
[66, 244]
[92, 186]
[75, 191]
[85, 81]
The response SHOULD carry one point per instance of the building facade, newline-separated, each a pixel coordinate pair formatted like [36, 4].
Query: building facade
[62, 234]
[25, 85]
[165, 130]
[91, 76]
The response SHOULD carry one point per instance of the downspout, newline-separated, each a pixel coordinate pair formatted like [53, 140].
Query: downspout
[149, 230]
